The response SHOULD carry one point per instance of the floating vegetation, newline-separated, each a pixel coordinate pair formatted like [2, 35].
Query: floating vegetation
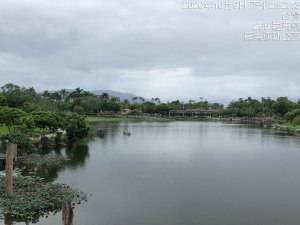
[37, 160]
[16, 172]
[33, 198]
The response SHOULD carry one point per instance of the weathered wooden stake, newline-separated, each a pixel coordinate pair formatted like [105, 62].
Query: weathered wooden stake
[9, 166]
[7, 220]
[67, 213]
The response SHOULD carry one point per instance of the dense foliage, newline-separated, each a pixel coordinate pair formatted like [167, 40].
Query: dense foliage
[266, 107]
[75, 125]
[47, 120]
[33, 198]
[292, 114]
[24, 128]
[296, 120]
[25, 143]
[48, 110]
[15, 119]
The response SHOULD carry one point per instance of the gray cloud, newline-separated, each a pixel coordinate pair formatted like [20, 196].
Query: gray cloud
[150, 48]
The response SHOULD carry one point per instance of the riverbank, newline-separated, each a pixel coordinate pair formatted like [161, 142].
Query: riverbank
[287, 128]
[94, 119]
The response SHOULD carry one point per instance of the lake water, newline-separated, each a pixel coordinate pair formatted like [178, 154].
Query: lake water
[184, 173]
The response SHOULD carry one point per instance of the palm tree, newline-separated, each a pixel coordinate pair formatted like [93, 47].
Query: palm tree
[201, 100]
[142, 99]
[78, 90]
[63, 94]
[126, 102]
[105, 96]
[55, 96]
[46, 94]
[157, 99]
[75, 94]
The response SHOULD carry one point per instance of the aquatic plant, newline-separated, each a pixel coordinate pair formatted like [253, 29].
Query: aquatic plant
[38, 160]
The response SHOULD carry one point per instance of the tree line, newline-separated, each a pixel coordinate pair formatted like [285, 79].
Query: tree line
[29, 116]
[84, 102]
[27, 113]
[281, 108]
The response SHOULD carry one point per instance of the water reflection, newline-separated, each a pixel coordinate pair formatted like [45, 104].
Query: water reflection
[184, 173]
[75, 155]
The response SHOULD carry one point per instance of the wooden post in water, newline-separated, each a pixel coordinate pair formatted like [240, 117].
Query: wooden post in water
[67, 213]
[9, 166]
[7, 220]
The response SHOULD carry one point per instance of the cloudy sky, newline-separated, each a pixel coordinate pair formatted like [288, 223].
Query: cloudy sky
[149, 48]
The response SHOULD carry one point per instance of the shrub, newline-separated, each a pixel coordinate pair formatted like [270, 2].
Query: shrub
[135, 112]
[78, 109]
[33, 198]
[25, 144]
[292, 114]
[296, 120]
[58, 137]
[75, 126]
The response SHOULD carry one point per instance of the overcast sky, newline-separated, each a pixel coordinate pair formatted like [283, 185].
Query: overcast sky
[149, 48]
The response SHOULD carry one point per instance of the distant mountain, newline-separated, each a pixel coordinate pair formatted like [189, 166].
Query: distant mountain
[120, 95]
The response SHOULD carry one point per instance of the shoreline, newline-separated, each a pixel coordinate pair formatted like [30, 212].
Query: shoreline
[290, 129]
[287, 128]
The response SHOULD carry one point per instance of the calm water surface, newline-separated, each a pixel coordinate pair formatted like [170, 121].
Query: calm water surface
[184, 173]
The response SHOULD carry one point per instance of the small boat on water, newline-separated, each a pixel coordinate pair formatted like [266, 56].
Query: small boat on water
[127, 132]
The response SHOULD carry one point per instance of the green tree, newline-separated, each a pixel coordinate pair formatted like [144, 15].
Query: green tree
[126, 103]
[91, 104]
[75, 126]
[267, 106]
[47, 120]
[17, 96]
[292, 114]
[46, 94]
[235, 107]
[78, 109]
[135, 112]
[217, 106]
[24, 141]
[3, 100]
[15, 119]
[282, 106]
[162, 109]
[64, 94]
[174, 105]
[76, 94]
[149, 107]
[42, 104]
[296, 120]
[104, 96]
[56, 96]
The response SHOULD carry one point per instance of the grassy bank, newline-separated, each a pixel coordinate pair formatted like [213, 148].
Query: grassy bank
[92, 119]
[287, 125]
[287, 128]
[207, 118]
